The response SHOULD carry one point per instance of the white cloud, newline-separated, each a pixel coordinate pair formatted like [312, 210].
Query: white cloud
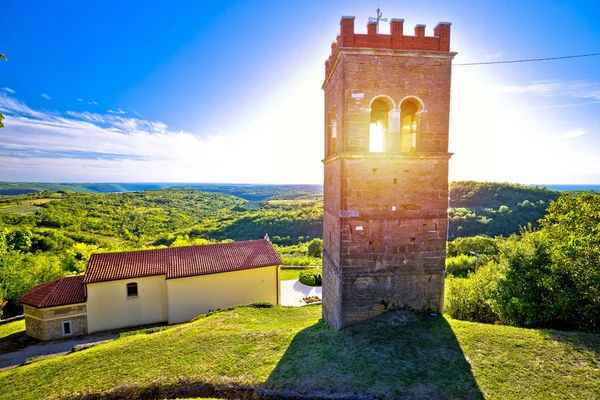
[9, 90]
[79, 99]
[537, 88]
[556, 88]
[12, 106]
[93, 147]
[92, 102]
[493, 56]
[117, 111]
[44, 95]
[574, 133]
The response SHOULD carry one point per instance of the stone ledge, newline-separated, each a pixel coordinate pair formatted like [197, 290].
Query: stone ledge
[388, 156]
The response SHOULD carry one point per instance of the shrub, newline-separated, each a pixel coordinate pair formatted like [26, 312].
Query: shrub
[479, 244]
[460, 265]
[299, 260]
[527, 293]
[315, 248]
[312, 277]
[474, 298]
[260, 304]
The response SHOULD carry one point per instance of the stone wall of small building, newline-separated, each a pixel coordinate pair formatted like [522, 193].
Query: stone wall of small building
[46, 323]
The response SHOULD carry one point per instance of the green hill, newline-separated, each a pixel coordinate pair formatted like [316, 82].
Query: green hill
[288, 351]
[495, 208]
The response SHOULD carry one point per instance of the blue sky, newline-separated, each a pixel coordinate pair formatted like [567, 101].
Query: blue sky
[206, 91]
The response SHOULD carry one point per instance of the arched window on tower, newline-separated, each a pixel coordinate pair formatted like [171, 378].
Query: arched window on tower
[378, 128]
[332, 142]
[409, 124]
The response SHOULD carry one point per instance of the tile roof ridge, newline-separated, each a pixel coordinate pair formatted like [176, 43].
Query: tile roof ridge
[180, 247]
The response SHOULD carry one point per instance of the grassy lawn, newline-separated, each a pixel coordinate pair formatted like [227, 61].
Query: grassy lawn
[396, 355]
[289, 274]
[13, 337]
[12, 327]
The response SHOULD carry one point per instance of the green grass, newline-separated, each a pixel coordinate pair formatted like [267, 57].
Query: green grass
[11, 328]
[13, 337]
[279, 348]
[300, 260]
[289, 274]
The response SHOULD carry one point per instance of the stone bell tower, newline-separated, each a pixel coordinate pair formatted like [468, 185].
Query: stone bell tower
[387, 103]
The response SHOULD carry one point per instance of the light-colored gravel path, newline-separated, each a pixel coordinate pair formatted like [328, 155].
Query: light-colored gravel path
[55, 347]
[293, 291]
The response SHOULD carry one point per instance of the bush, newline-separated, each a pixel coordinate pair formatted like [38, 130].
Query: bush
[299, 260]
[474, 298]
[315, 248]
[479, 244]
[312, 277]
[527, 293]
[260, 304]
[460, 265]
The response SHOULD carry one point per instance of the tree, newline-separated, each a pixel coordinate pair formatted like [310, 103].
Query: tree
[573, 227]
[315, 248]
[2, 57]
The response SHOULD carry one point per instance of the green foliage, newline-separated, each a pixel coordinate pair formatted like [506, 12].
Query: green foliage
[260, 304]
[296, 260]
[474, 298]
[572, 227]
[312, 277]
[315, 248]
[58, 234]
[525, 294]
[550, 278]
[2, 57]
[287, 224]
[18, 239]
[495, 209]
[77, 256]
[460, 265]
[483, 245]
[553, 278]
[496, 194]
[19, 272]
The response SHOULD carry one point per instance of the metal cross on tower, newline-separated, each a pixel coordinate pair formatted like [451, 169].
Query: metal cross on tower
[379, 15]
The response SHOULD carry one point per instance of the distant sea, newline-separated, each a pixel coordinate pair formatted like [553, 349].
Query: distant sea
[584, 188]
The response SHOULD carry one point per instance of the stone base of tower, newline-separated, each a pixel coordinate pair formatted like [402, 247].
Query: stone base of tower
[348, 299]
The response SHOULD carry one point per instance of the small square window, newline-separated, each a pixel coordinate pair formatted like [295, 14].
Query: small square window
[132, 290]
[67, 328]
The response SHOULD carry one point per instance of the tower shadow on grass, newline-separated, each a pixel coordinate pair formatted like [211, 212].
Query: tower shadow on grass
[400, 354]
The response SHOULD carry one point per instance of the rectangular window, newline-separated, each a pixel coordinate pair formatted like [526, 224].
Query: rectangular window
[132, 290]
[67, 328]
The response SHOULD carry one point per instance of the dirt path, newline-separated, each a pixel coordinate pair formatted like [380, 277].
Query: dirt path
[15, 358]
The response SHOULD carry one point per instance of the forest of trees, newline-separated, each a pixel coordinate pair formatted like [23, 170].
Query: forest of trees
[495, 209]
[49, 234]
[544, 278]
[45, 234]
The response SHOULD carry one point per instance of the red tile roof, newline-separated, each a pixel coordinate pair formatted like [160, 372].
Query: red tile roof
[179, 262]
[63, 291]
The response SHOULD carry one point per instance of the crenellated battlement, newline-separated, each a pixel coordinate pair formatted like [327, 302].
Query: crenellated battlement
[396, 40]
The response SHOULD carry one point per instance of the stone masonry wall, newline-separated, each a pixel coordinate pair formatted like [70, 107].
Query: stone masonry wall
[46, 323]
[385, 214]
